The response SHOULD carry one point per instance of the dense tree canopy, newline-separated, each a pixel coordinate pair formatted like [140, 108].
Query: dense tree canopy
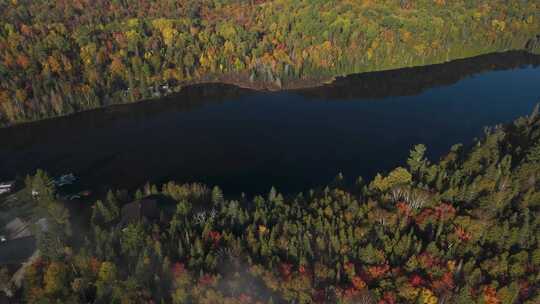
[462, 230]
[58, 57]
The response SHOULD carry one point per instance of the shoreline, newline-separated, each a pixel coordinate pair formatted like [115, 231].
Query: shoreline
[242, 81]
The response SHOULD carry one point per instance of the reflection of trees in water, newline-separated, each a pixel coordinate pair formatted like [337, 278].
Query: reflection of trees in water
[402, 82]
[413, 81]
[189, 99]
[156, 139]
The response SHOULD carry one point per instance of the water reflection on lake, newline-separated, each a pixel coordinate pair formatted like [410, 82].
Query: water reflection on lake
[248, 141]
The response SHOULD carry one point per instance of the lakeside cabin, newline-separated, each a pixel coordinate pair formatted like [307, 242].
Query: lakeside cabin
[16, 229]
[18, 250]
[13, 253]
[16, 256]
[19, 242]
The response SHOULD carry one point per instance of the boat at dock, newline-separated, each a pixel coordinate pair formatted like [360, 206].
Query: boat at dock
[6, 187]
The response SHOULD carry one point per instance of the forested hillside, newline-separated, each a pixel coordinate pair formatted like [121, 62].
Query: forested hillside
[59, 57]
[462, 230]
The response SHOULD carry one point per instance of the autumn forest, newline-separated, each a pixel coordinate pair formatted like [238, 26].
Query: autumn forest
[213, 79]
[60, 57]
[461, 230]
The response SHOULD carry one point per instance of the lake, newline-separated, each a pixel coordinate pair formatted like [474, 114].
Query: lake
[248, 141]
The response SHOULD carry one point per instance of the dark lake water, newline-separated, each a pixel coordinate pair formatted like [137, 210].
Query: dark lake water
[247, 141]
